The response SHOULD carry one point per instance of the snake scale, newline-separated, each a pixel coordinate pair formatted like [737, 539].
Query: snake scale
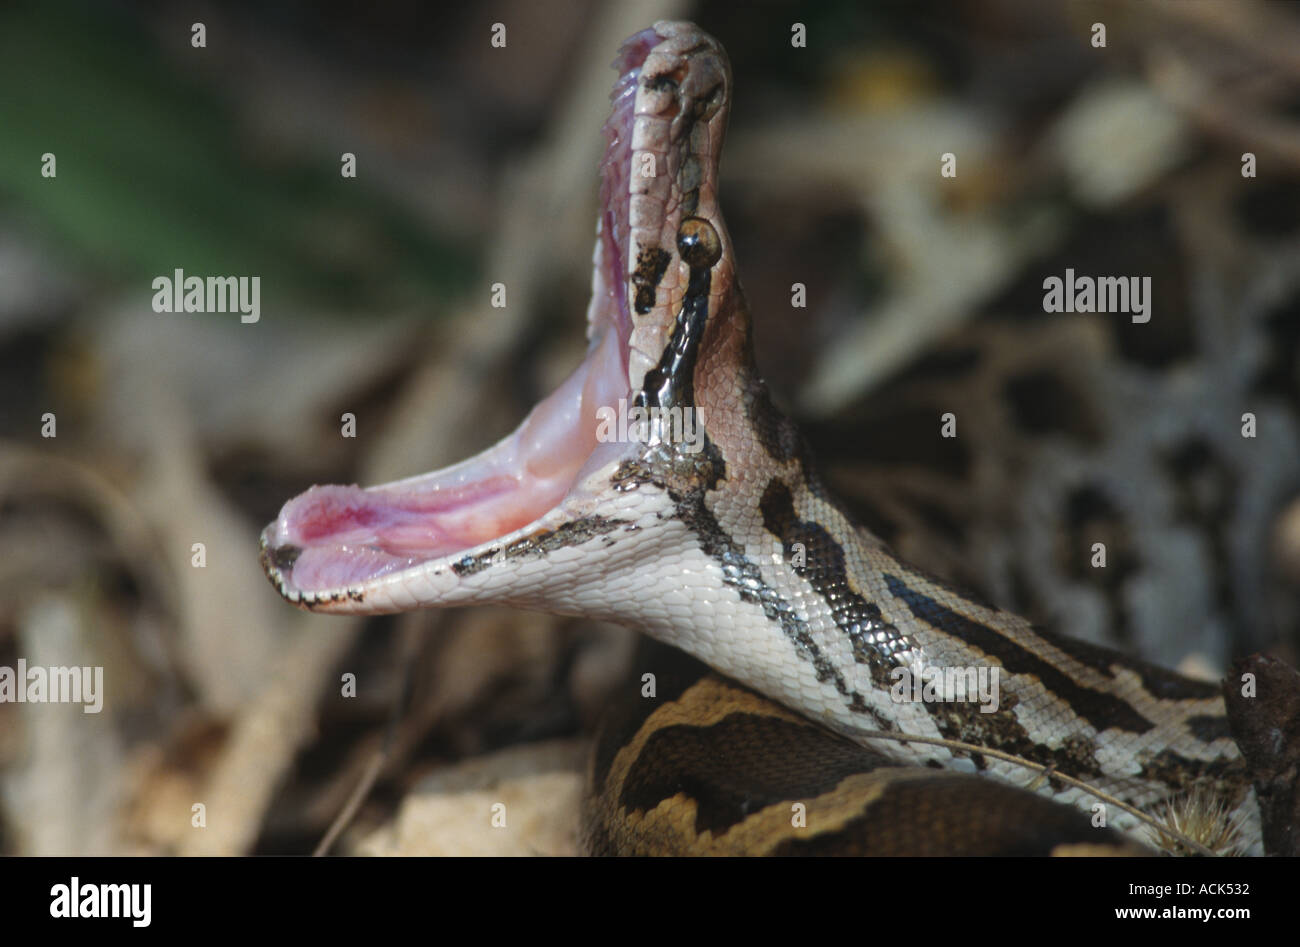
[658, 487]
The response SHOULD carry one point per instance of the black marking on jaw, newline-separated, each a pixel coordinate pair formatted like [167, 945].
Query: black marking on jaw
[875, 640]
[671, 383]
[1103, 711]
[572, 533]
[651, 264]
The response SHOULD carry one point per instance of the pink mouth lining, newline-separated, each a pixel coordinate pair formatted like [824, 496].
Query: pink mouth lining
[335, 537]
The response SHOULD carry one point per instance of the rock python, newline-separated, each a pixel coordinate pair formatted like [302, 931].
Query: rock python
[659, 487]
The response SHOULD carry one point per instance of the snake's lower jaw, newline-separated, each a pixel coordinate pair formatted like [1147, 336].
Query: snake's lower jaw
[409, 543]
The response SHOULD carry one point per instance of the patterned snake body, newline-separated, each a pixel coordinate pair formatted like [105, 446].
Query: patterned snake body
[728, 546]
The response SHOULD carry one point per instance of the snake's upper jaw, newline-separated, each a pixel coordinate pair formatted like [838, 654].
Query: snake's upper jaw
[659, 176]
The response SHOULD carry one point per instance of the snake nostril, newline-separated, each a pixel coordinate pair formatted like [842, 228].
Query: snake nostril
[698, 243]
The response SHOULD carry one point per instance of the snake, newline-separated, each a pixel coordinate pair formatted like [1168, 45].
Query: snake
[816, 695]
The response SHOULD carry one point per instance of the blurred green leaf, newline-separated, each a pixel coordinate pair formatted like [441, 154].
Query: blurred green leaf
[153, 175]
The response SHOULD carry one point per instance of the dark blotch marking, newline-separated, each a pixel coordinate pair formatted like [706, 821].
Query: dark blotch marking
[1159, 682]
[961, 720]
[862, 621]
[674, 672]
[782, 439]
[651, 264]
[740, 765]
[825, 570]
[671, 383]
[1103, 711]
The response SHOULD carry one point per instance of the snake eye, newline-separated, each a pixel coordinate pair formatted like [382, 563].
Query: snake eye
[698, 243]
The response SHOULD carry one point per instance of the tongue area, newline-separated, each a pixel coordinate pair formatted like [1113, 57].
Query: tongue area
[335, 537]
[346, 533]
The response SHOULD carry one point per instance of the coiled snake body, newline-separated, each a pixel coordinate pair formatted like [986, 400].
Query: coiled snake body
[908, 717]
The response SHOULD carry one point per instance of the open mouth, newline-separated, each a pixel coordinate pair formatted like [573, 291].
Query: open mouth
[335, 538]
